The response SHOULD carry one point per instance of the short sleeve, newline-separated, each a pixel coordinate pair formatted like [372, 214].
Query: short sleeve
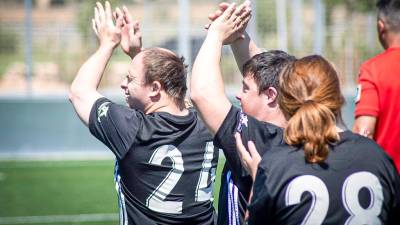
[114, 125]
[264, 135]
[225, 139]
[367, 102]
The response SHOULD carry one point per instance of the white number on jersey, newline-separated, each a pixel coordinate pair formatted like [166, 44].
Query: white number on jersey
[319, 193]
[156, 201]
[350, 190]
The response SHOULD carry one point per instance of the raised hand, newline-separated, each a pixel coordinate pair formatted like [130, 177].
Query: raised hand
[107, 33]
[250, 159]
[221, 9]
[131, 40]
[231, 24]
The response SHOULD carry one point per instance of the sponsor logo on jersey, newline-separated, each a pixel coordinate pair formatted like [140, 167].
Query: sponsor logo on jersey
[358, 95]
[102, 110]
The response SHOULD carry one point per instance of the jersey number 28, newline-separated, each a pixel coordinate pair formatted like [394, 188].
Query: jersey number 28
[351, 187]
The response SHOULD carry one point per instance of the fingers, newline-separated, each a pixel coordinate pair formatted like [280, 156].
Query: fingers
[119, 23]
[229, 11]
[243, 20]
[118, 13]
[240, 13]
[136, 27]
[108, 12]
[94, 27]
[241, 149]
[97, 17]
[253, 151]
[100, 10]
[223, 6]
[127, 15]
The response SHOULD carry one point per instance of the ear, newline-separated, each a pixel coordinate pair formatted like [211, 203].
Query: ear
[271, 94]
[381, 26]
[155, 88]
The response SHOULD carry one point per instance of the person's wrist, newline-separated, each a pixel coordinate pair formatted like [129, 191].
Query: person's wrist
[108, 45]
[134, 52]
[216, 35]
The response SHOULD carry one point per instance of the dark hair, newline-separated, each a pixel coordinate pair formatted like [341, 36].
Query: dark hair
[311, 100]
[266, 67]
[167, 68]
[389, 12]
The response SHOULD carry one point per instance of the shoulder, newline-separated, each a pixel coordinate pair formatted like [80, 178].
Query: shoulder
[380, 61]
[368, 147]
[280, 157]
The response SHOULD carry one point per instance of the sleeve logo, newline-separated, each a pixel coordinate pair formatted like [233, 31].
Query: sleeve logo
[102, 110]
[242, 121]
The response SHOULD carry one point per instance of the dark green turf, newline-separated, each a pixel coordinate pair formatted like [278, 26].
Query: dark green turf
[42, 188]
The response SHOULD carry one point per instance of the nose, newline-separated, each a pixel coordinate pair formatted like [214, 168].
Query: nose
[124, 84]
[238, 96]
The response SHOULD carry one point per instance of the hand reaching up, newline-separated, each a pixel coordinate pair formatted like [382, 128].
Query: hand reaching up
[131, 40]
[107, 33]
[230, 25]
[241, 15]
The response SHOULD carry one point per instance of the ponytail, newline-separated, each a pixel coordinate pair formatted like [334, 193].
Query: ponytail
[310, 98]
[313, 126]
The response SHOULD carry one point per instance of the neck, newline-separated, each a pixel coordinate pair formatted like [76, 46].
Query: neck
[274, 116]
[393, 40]
[166, 105]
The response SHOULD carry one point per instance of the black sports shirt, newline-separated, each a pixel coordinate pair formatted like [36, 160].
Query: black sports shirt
[357, 184]
[165, 164]
[236, 183]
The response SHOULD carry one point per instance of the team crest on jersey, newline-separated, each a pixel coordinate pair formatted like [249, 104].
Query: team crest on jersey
[358, 95]
[242, 122]
[102, 110]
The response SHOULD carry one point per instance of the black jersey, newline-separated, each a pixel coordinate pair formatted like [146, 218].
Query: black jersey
[165, 164]
[357, 184]
[236, 183]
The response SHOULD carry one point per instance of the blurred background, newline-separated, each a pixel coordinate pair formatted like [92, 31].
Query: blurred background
[52, 171]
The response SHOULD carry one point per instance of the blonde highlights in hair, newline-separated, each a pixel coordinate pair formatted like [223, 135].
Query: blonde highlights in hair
[311, 100]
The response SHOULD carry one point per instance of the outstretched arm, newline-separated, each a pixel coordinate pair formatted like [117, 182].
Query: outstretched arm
[83, 91]
[207, 88]
[243, 48]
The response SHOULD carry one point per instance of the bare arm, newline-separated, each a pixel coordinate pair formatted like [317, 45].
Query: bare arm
[83, 91]
[207, 88]
[365, 126]
[243, 50]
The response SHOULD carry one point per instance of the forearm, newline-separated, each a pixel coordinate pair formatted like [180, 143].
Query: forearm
[83, 91]
[206, 74]
[90, 73]
[207, 88]
[243, 50]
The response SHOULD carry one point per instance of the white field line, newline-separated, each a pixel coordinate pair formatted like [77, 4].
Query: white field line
[55, 164]
[60, 218]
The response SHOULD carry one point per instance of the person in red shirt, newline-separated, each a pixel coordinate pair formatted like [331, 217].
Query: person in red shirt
[378, 99]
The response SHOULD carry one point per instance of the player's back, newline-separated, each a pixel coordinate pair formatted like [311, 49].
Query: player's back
[357, 184]
[165, 164]
[168, 174]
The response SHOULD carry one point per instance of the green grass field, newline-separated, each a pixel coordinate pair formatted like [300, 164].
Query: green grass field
[54, 192]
